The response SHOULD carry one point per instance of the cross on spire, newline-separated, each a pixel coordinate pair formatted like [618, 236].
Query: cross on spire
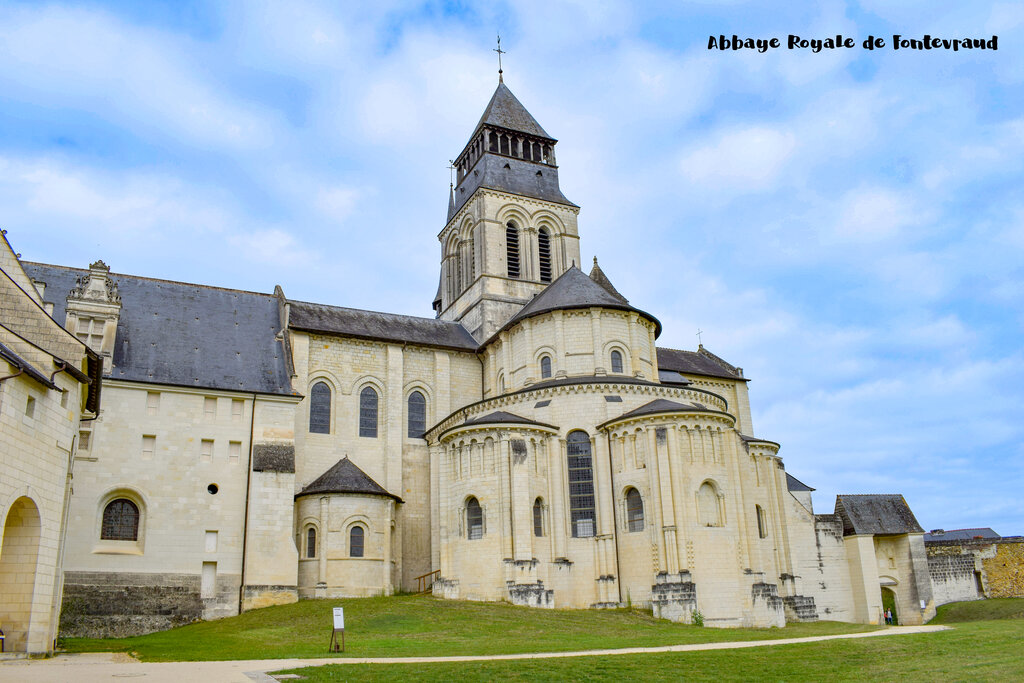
[500, 53]
[451, 172]
[699, 332]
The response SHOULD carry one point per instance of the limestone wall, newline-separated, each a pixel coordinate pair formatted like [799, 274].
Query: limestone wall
[966, 570]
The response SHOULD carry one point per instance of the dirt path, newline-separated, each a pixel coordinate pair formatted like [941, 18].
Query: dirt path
[107, 667]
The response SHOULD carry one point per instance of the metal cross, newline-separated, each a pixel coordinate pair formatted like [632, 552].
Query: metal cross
[500, 53]
[451, 171]
[699, 332]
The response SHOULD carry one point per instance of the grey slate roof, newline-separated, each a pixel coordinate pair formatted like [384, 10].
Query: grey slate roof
[353, 322]
[185, 334]
[17, 361]
[511, 175]
[961, 534]
[663, 405]
[572, 290]
[878, 514]
[345, 477]
[598, 276]
[502, 417]
[672, 377]
[794, 484]
[506, 111]
[700, 362]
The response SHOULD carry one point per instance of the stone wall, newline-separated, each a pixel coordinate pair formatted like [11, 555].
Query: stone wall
[953, 578]
[998, 565]
[118, 604]
[1004, 573]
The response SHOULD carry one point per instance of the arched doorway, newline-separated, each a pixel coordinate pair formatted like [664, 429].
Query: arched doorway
[889, 603]
[18, 572]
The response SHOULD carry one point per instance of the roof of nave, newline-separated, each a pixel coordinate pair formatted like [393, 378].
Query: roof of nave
[186, 334]
[573, 290]
[353, 322]
[506, 111]
[346, 477]
[794, 484]
[502, 417]
[699, 362]
[878, 514]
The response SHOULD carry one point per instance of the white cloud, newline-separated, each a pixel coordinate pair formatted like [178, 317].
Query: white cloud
[748, 159]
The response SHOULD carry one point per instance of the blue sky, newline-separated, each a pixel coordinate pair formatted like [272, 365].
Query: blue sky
[848, 226]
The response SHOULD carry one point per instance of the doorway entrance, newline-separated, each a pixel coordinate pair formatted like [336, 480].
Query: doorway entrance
[18, 556]
[889, 603]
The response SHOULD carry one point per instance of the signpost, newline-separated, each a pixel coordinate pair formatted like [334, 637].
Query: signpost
[339, 626]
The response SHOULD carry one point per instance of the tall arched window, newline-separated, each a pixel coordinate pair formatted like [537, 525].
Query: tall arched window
[634, 511]
[545, 366]
[762, 522]
[320, 409]
[581, 485]
[544, 251]
[512, 249]
[120, 521]
[708, 508]
[368, 412]
[417, 415]
[616, 361]
[474, 519]
[538, 517]
[310, 543]
[355, 541]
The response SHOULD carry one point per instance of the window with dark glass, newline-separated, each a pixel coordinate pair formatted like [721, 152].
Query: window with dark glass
[634, 511]
[120, 521]
[538, 517]
[311, 543]
[512, 249]
[474, 519]
[616, 361]
[545, 366]
[368, 412]
[417, 415]
[320, 409]
[581, 485]
[544, 251]
[355, 542]
[762, 526]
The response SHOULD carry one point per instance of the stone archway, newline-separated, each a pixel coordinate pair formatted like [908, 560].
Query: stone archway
[18, 557]
[889, 602]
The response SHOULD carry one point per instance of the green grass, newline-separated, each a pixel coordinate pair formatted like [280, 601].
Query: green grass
[975, 650]
[403, 626]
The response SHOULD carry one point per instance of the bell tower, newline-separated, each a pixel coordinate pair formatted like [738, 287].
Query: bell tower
[510, 231]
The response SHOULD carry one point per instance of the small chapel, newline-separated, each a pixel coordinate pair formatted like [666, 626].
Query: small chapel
[529, 443]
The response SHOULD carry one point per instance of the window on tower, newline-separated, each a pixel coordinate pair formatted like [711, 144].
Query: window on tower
[512, 249]
[544, 251]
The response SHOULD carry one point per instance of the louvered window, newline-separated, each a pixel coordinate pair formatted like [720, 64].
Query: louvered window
[120, 521]
[355, 542]
[474, 519]
[512, 249]
[417, 415]
[634, 510]
[581, 485]
[544, 250]
[320, 409]
[368, 412]
[616, 361]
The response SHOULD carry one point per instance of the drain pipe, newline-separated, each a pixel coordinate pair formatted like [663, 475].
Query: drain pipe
[245, 519]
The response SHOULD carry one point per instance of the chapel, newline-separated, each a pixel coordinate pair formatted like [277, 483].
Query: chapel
[530, 443]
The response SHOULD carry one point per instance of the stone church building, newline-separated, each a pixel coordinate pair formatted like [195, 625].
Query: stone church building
[530, 443]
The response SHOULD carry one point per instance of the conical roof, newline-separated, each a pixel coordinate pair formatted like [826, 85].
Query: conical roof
[505, 111]
[451, 203]
[598, 276]
[346, 477]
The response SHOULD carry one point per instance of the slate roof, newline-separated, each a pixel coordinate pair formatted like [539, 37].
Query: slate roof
[572, 290]
[877, 514]
[353, 322]
[794, 484]
[700, 362]
[663, 405]
[672, 377]
[598, 276]
[961, 534]
[186, 334]
[345, 477]
[506, 111]
[502, 417]
[20, 363]
[511, 175]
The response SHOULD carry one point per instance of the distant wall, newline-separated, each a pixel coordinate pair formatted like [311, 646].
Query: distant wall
[972, 569]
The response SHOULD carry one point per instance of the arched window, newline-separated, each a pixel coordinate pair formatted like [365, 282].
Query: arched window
[474, 519]
[310, 543]
[417, 415]
[120, 521]
[762, 522]
[538, 517]
[581, 485]
[368, 412]
[545, 366]
[708, 508]
[616, 361]
[634, 511]
[512, 249]
[320, 409]
[544, 251]
[501, 383]
[355, 542]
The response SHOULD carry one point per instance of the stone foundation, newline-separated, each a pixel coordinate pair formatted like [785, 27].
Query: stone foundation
[255, 597]
[531, 595]
[800, 608]
[445, 588]
[674, 597]
[767, 608]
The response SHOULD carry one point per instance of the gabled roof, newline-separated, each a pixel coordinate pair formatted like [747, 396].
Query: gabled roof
[598, 276]
[346, 477]
[794, 484]
[876, 514]
[699, 362]
[986, 533]
[573, 289]
[506, 111]
[353, 322]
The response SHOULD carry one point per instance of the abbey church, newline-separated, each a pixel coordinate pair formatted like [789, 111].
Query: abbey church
[531, 443]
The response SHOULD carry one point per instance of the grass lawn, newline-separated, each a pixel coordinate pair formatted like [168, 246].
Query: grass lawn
[403, 626]
[989, 649]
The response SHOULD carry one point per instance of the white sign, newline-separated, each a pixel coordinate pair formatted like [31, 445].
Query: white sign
[339, 617]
